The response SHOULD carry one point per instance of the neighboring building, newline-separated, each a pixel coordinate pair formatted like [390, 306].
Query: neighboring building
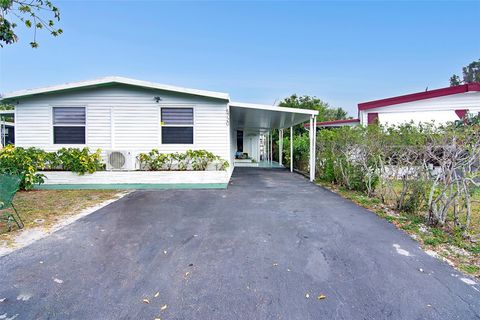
[130, 116]
[440, 105]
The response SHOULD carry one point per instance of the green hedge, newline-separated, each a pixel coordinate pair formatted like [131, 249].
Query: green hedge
[422, 168]
[27, 161]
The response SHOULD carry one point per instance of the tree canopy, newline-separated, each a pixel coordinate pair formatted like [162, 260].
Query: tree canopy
[325, 111]
[470, 73]
[33, 14]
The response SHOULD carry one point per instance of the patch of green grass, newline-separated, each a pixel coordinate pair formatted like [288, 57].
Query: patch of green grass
[469, 268]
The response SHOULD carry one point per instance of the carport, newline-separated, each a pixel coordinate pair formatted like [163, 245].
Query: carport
[258, 121]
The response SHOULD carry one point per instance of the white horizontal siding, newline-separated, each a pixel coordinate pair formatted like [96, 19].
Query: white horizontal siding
[33, 126]
[441, 109]
[135, 127]
[124, 118]
[98, 127]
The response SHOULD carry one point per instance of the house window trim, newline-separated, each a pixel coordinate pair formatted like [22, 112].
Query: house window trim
[52, 126]
[194, 125]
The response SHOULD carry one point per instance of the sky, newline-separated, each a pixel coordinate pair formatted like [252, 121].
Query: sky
[261, 52]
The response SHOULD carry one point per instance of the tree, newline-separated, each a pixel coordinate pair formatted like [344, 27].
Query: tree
[471, 74]
[34, 14]
[455, 81]
[325, 111]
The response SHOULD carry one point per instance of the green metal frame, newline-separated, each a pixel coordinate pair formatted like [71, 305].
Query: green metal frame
[9, 185]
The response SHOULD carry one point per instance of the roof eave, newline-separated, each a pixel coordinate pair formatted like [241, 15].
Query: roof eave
[419, 96]
[272, 108]
[109, 81]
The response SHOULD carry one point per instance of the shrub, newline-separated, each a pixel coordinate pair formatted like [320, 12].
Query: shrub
[197, 160]
[80, 161]
[346, 156]
[23, 162]
[413, 168]
[301, 147]
[200, 159]
[154, 160]
[27, 161]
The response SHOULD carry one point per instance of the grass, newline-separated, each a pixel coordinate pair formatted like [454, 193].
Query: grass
[43, 208]
[449, 242]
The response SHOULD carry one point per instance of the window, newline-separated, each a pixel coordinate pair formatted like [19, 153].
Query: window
[69, 125]
[177, 125]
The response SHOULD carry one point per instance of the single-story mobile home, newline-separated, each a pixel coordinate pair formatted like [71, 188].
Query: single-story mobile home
[440, 105]
[127, 117]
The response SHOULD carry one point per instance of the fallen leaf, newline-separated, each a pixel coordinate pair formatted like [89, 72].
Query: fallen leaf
[157, 294]
[146, 301]
[163, 307]
[307, 295]
[321, 297]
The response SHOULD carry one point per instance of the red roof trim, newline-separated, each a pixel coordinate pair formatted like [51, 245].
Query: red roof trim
[419, 96]
[334, 122]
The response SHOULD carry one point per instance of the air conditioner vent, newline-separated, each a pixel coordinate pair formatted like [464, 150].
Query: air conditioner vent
[119, 160]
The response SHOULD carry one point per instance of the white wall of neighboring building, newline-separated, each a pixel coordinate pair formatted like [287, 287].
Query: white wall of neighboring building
[440, 109]
[121, 117]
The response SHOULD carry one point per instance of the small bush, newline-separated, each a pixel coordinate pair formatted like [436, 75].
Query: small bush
[80, 161]
[26, 162]
[197, 160]
[23, 162]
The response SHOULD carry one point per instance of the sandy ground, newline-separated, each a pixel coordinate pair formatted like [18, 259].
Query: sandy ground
[28, 236]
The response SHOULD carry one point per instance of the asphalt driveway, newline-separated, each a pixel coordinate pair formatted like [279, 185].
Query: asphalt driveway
[253, 251]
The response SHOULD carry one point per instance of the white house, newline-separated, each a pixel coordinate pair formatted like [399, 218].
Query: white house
[440, 105]
[130, 116]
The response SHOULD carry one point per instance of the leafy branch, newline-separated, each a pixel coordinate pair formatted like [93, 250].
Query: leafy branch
[33, 14]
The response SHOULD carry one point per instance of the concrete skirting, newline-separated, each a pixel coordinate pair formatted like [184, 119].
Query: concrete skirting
[136, 180]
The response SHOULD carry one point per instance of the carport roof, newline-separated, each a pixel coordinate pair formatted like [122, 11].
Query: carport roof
[265, 117]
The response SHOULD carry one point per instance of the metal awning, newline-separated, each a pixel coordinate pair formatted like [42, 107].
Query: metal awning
[263, 118]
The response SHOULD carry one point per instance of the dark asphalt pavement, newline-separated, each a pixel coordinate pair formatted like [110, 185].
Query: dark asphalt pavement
[253, 251]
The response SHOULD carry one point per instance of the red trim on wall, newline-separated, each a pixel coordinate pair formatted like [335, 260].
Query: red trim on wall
[419, 96]
[461, 113]
[372, 117]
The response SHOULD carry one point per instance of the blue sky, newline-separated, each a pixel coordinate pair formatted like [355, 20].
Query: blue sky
[341, 52]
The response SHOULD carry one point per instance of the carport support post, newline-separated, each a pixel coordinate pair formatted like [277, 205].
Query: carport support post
[291, 149]
[280, 146]
[313, 134]
[271, 146]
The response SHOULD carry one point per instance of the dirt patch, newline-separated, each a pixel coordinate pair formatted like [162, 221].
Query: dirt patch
[47, 225]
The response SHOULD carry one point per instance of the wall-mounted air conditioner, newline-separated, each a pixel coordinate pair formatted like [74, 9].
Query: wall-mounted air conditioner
[120, 160]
